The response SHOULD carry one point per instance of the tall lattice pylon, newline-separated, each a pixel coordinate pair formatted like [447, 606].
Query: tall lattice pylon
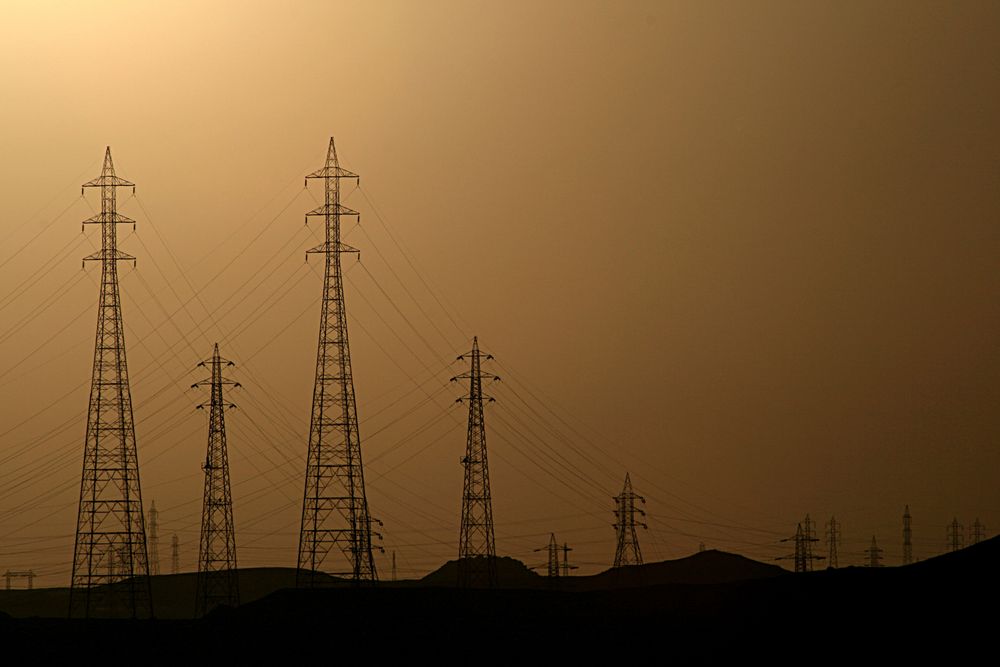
[477, 566]
[217, 576]
[628, 552]
[907, 536]
[334, 507]
[110, 563]
[154, 540]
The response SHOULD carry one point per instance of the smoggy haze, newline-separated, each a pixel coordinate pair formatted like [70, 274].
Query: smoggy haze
[747, 250]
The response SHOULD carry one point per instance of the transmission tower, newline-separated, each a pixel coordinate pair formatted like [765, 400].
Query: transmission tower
[110, 563]
[477, 566]
[334, 507]
[874, 554]
[566, 567]
[217, 576]
[907, 536]
[154, 540]
[552, 548]
[809, 532]
[954, 535]
[628, 552]
[978, 532]
[175, 555]
[832, 542]
[803, 557]
[394, 566]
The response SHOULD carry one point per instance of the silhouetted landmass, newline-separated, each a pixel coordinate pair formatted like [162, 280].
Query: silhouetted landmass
[511, 573]
[942, 605]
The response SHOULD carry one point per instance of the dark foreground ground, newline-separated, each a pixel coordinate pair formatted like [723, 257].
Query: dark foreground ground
[943, 608]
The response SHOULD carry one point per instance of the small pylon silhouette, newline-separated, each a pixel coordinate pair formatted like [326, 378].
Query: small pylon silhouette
[218, 582]
[110, 563]
[154, 540]
[552, 549]
[978, 532]
[803, 557]
[955, 535]
[874, 554]
[833, 542]
[907, 536]
[627, 551]
[175, 555]
[476, 546]
[566, 567]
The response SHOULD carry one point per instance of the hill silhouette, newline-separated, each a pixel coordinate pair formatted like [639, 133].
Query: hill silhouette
[704, 608]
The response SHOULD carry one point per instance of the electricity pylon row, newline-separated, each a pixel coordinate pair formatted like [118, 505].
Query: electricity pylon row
[111, 564]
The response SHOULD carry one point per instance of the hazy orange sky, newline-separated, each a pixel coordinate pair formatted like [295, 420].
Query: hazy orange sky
[746, 251]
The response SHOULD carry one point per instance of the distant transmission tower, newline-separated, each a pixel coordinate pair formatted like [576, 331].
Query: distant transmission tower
[217, 576]
[803, 557]
[110, 563]
[477, 566]
[334, 506]
[628, 552]
[809, 532]
[552, 549]
[874, 554]
[907, 536]
[832, 542]
[154, 540]
[175, 555]
[954, 535]
[566, 567]
[978, 532]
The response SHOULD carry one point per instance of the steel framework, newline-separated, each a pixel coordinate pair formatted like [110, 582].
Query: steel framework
[218, 582]
[110, 563]
[628, 552]
[477, 566]
[334, 506]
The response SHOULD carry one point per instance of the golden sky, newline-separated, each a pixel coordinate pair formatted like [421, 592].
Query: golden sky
[745, 251]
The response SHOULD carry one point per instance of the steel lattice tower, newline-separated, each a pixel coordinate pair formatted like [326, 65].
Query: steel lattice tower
[832, 542]
[552, 549]
[334, 507]
[955, 535]
[154, 540]
[907, 536]
[628, 552]
[175, 555]
[978, 532]
[217, 576]
[477, 566]
[566, 567]
[110, 563]
[803, 557]
[874, 554]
